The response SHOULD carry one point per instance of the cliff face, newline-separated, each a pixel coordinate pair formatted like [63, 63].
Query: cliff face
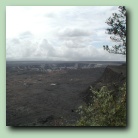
[113, 77]
[113, 74]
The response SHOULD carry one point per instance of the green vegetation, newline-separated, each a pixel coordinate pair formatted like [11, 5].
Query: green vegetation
[105, 109]
[117, 30]
[108, 107]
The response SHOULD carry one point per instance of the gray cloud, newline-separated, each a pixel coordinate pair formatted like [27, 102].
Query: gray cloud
[58, 33]
[50, 15]
[26, 35]
[75, 37]
[15, 41]
[44, 50]
[76, 32]
[76, 42]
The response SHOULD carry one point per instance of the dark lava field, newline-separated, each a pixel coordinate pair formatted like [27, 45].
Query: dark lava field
[47, 94]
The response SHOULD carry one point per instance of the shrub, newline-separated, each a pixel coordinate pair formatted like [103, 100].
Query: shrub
[105, 109]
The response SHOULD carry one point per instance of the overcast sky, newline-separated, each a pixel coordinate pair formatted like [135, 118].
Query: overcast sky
[68, 33]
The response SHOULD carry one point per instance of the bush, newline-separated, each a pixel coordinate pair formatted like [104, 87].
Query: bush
[105, 109]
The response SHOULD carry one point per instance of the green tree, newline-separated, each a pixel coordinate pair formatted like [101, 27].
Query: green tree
[117, 30]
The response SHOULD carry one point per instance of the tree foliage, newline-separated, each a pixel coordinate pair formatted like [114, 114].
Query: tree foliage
[117, 30]
[104, 110]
